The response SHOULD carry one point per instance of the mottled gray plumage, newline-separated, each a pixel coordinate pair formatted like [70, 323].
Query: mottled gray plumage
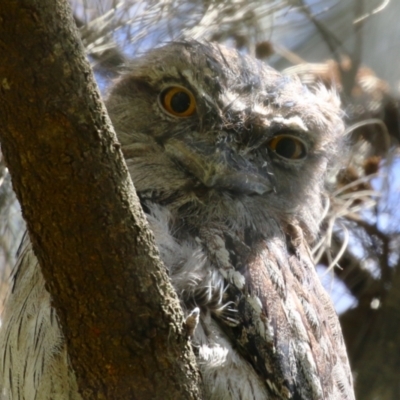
[234, 191]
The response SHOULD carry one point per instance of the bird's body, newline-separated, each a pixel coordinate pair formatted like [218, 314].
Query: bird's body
[229, 159]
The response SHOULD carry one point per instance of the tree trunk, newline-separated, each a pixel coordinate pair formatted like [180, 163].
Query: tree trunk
[372, 338]
[118, 311]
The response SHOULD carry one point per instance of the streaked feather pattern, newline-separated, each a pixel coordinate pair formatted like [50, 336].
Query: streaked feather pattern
[233, 221]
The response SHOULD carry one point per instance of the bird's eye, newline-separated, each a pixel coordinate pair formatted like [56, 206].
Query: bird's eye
[288, 147]
[178, 101]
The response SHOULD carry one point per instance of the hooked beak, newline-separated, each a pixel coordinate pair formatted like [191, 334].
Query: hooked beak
[214, 171]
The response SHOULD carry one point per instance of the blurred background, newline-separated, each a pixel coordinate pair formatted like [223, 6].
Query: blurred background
[352, 46]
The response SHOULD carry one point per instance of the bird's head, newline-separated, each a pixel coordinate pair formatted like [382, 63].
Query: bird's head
[216, 135]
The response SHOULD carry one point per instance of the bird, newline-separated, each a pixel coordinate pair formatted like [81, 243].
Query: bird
[230, 160]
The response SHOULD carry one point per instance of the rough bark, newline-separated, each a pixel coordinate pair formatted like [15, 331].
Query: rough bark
[119, 313]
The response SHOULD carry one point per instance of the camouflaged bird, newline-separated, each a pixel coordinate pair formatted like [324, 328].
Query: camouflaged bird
[229, 159]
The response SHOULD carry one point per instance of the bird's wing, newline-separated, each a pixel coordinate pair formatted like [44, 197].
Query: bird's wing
[286, 325]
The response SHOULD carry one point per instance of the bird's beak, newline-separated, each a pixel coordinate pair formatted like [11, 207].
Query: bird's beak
[216, 171]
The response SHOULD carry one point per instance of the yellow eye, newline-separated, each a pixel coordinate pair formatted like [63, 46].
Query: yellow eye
[288, 147]
[178, 101]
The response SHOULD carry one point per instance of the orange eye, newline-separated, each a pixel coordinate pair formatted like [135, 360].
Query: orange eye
[178, 101]
[288, 147]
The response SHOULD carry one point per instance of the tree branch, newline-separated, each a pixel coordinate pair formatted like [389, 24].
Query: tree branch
[119, 313]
